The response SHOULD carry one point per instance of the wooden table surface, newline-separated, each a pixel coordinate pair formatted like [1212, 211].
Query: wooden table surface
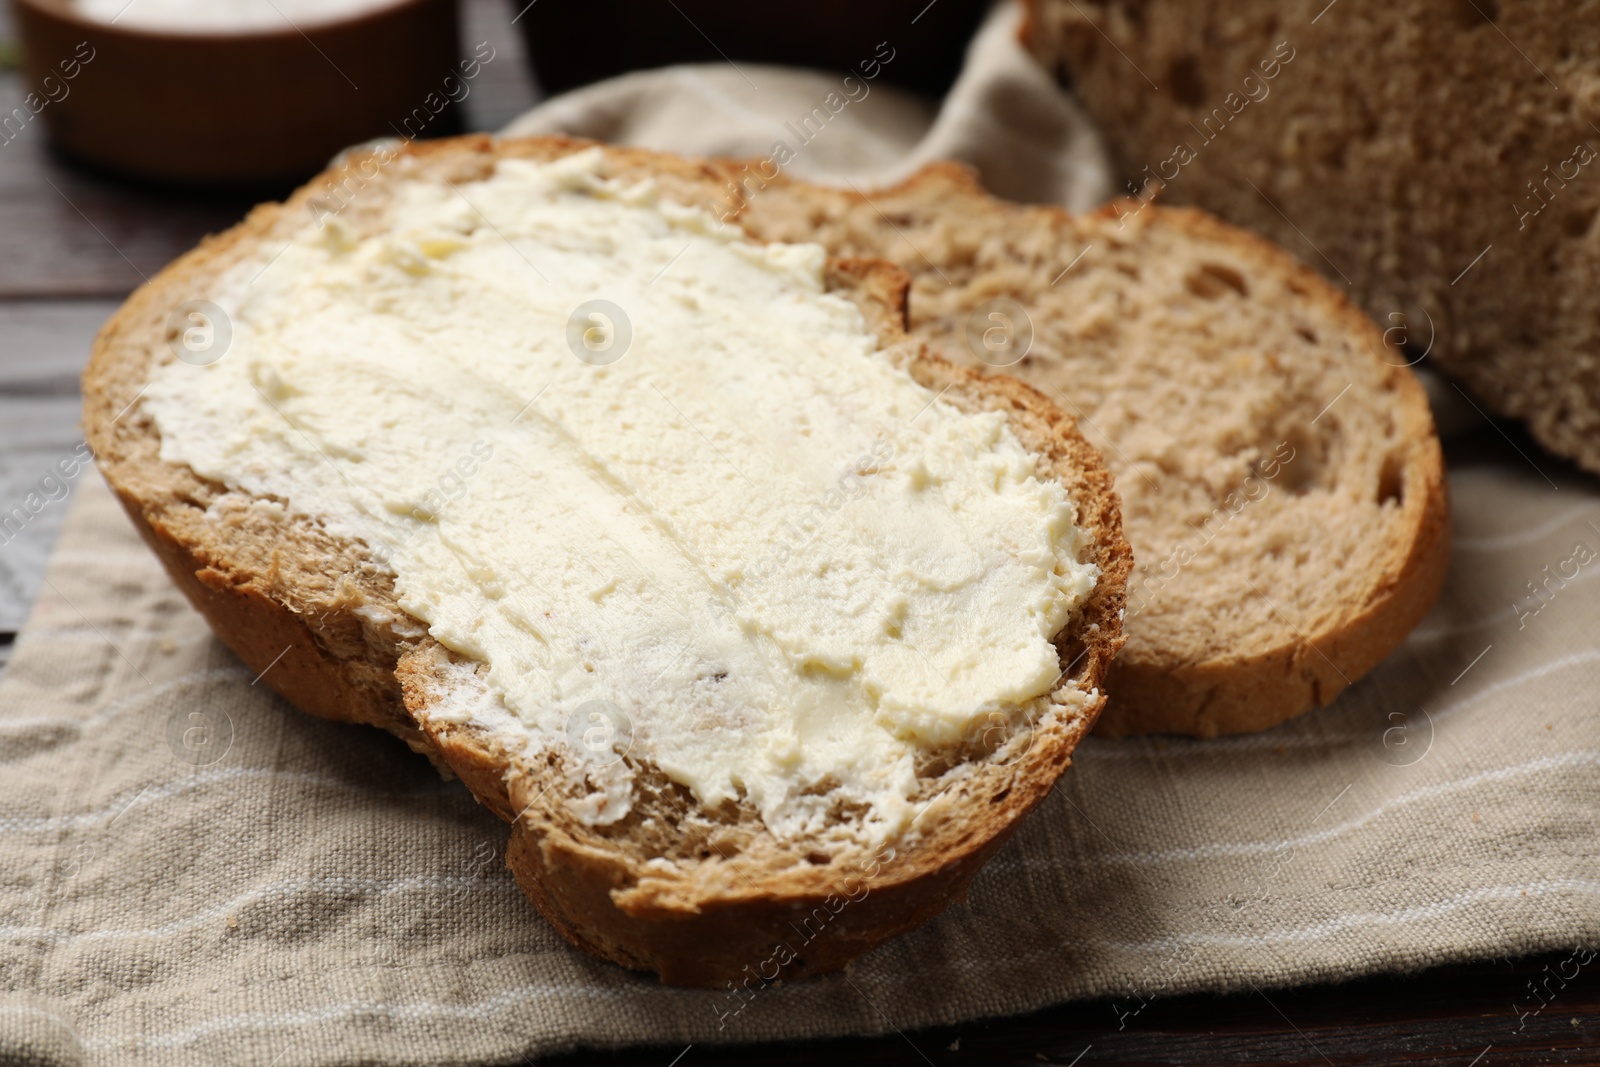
[75, 242]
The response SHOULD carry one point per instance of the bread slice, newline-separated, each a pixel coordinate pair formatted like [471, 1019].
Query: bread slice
[703, 897]
[1457, 201]
[1281, 481]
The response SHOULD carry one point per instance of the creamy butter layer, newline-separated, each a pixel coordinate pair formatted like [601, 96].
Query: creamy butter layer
[776, 563]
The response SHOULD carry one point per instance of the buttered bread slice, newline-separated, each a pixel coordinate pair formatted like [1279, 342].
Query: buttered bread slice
[762, 626]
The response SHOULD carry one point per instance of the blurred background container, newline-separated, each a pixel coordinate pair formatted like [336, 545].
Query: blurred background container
[263, 92]
[574, 42]
[251, 105]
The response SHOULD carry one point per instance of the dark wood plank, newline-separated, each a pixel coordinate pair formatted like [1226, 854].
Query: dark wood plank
[71, 232]
[45, 344]
[1462, 1016]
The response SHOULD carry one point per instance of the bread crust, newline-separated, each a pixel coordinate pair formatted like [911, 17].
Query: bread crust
[295, 602]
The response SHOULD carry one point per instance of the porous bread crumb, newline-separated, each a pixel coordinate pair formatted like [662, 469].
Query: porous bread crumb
[1439, 157]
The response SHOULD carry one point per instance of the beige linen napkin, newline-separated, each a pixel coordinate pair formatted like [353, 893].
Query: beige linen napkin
[1004, 116]
[192, 872]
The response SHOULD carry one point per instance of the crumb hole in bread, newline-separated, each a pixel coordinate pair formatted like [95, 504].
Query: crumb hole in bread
[1183, 75]
[1086, 49]
[1307, 334]
[1471, 14]
[1391, 481]
[1073, 655]
[727, 841]
[1211, 280]
[1000, 797]
[1515, 150]
[1298, 461]
[1129, 269]
[818, 859]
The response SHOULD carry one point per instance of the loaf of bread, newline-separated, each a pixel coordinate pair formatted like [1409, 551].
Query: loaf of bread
[262, 476]
[1281, 481]
[1439, 160]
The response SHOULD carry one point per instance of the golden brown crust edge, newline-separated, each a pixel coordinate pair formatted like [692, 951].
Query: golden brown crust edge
[332, 666]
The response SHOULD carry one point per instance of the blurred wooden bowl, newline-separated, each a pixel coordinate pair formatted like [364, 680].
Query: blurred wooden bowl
[233, 108]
